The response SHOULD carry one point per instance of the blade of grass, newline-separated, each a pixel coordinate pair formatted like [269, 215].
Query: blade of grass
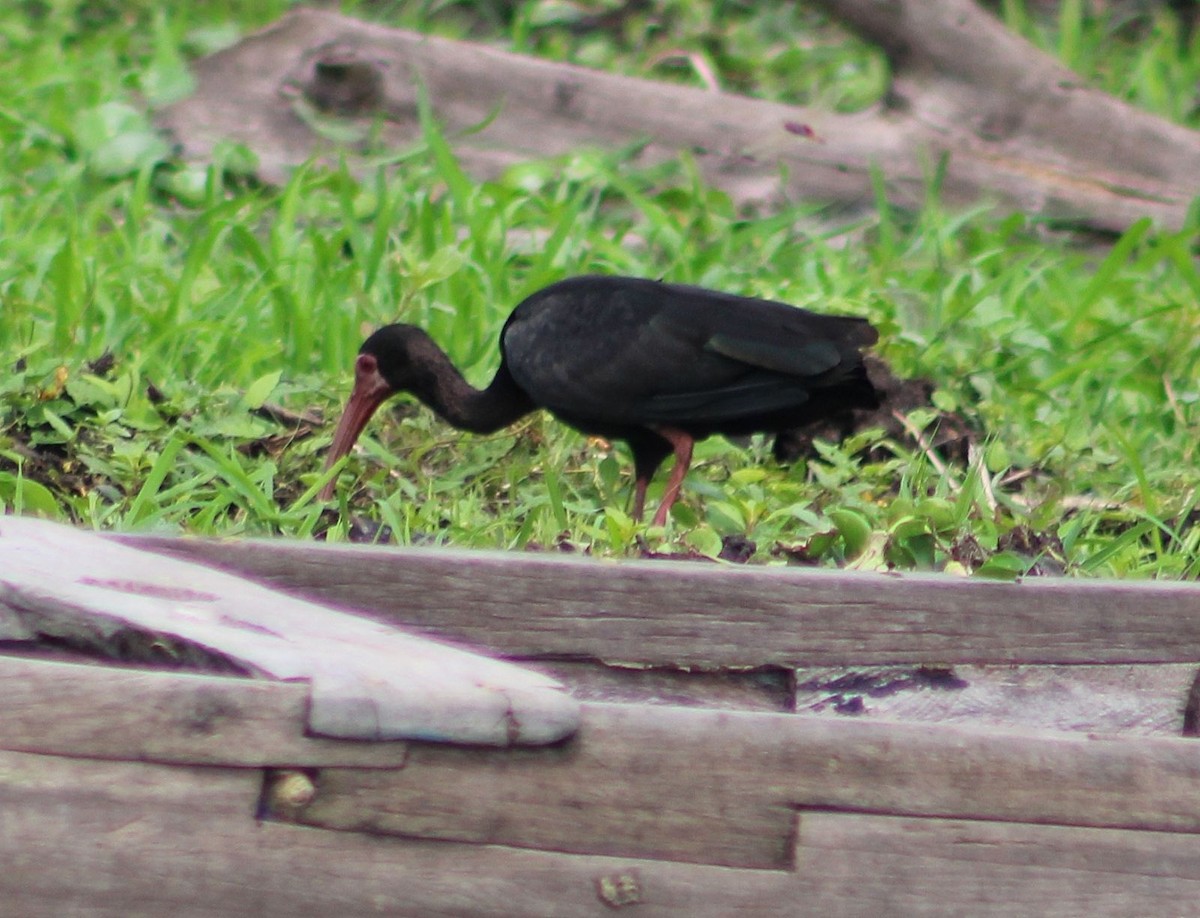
[143, 502]
[239, 481]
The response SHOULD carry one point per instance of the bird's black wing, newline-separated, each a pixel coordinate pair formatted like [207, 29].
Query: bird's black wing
[623, 351]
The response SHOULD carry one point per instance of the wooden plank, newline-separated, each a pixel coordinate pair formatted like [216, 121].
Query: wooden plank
[636, 782]
[367, 680]
[760, 690]
[714, 616]
[1119, 851]
[881, 865]
[124, 839]
[718, 787]
[110, 797]
[116, 713]
[130, 839]
[1145, 699]
[1131, 699]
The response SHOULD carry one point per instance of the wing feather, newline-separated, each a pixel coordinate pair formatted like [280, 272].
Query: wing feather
[627, 352]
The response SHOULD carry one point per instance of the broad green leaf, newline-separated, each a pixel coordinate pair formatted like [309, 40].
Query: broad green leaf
[260, 390]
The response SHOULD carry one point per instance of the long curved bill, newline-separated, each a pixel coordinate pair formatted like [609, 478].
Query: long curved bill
[370, 391]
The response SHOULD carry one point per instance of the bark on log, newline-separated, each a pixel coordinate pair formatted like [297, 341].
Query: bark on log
[1013, 116]
[1010, 123]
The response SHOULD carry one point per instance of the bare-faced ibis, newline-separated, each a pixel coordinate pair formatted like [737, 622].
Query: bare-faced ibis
[657, 365]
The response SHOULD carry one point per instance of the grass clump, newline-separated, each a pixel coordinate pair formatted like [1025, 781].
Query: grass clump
[177, 341]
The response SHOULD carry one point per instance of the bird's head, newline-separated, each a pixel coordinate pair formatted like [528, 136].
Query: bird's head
[389, 361]
[398, 356]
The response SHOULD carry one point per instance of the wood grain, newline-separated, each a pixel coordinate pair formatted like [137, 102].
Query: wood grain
[758, 690]
[719, 787]
[106, 712]
[367, 680]
[1130, 699]
[879, 865]
[89, 791]
[123, 839]
[722, 616]
[127, 839]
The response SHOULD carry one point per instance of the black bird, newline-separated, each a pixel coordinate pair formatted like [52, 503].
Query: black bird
[657, 365]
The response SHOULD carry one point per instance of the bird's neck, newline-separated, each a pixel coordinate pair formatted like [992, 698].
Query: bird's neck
[477, 410]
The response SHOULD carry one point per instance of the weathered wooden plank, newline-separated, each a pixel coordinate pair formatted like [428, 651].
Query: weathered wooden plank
[766, 690]
[108, 712]
[1130, 699]
[124, 839]
[881, 865]
[1018, 844]
[719, 786]
[368, 680]
[709, 615]
[629, 785]
[1146, 699]
[87, 795]
[131, 839]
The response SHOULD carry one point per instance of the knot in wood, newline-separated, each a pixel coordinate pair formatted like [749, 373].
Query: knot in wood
[344, 84]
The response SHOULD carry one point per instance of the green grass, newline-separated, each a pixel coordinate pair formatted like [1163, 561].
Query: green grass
[1077, 362]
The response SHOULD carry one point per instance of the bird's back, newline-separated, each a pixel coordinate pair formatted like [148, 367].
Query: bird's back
[611, 354]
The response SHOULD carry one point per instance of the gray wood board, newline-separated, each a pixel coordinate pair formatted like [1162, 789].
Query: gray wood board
[719, 787]
[725, 616]
[109, 712]
[756, 690]
[128, 839]
[867, 865]
[1129, 699]
[368, 680]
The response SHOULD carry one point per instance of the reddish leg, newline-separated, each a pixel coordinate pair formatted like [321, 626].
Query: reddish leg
[639, 497]
[682, 444]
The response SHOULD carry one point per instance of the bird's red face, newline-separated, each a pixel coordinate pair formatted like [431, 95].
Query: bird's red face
[370, 391]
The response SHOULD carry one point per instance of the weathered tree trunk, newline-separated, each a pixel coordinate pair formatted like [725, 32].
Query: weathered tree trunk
[1009, 122]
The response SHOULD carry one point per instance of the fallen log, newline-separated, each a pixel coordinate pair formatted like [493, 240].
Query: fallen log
[1000, 119]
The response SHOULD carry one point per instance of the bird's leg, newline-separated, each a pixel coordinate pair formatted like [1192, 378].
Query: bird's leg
[639, 496]
[649, 448]
[682, 443]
